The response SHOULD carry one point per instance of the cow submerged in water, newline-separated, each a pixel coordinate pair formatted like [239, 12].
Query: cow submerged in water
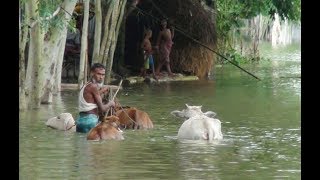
[63, 122]
[198, 125]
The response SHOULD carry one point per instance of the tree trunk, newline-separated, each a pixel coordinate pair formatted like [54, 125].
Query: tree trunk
[110, 39]
[97, 32]
[23, 35]
[54, 50]
[57, 84]
[119, 15]
[84, 44]
[106, 35]
[30, 65]
[36, 42]
[51, 51]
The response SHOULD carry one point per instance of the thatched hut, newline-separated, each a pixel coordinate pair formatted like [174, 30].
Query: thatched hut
[190, 19]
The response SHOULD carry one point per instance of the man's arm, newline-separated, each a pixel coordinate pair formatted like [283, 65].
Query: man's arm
[96, 95]
[103, 90]
[172, 32]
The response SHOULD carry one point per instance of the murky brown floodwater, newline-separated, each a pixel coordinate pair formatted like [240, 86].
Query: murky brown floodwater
[260, 121]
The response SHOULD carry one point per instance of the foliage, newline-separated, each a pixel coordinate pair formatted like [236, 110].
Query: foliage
[72, 25]
[239, 59]
[46, 8]
[290, 9]
[231, 13]
[236, 58]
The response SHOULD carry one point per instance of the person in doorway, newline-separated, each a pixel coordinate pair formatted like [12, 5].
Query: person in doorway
[147, 54]
[90, 100]
[164, 44]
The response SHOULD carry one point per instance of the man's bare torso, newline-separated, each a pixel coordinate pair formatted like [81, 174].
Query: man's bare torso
[147, 46]
[165, 35]
[88, 96]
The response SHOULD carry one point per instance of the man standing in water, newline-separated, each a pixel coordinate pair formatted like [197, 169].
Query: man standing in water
[90, 101]
[164, 44]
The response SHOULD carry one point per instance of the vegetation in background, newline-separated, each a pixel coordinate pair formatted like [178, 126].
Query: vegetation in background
[232, 14]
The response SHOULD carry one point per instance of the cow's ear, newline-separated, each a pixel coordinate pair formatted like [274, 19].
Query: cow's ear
[175, 113]
[210, 114]
[187, 105]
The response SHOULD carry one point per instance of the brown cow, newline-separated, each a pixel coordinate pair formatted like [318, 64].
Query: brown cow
[107, 129]
[133, 118]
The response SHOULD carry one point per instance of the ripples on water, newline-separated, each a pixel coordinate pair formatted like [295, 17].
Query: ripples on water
[260, 123]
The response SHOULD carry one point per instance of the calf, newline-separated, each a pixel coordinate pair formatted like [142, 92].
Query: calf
[198, 125]
[133, 118]
[107, 129]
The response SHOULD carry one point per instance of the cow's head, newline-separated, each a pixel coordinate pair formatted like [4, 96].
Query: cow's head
[64, 122]
[192, 111]
[113, 121]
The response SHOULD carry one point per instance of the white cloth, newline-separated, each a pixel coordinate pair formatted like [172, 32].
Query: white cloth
[83, 105]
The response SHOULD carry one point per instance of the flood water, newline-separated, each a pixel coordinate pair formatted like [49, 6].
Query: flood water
[261, 125]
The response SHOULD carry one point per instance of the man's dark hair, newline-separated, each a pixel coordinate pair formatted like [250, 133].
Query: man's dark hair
[164, 20]
[96, 66]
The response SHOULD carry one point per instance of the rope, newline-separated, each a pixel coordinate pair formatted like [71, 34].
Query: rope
[71, 127]
[112, 109]
[127, 114]
[117, 90]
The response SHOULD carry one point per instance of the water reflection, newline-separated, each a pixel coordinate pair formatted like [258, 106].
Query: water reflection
[198, 159]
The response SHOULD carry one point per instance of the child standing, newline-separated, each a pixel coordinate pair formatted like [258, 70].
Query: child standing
[147, 54]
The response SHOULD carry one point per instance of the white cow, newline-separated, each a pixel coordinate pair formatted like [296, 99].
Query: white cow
[198, 125]
[64, 122]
